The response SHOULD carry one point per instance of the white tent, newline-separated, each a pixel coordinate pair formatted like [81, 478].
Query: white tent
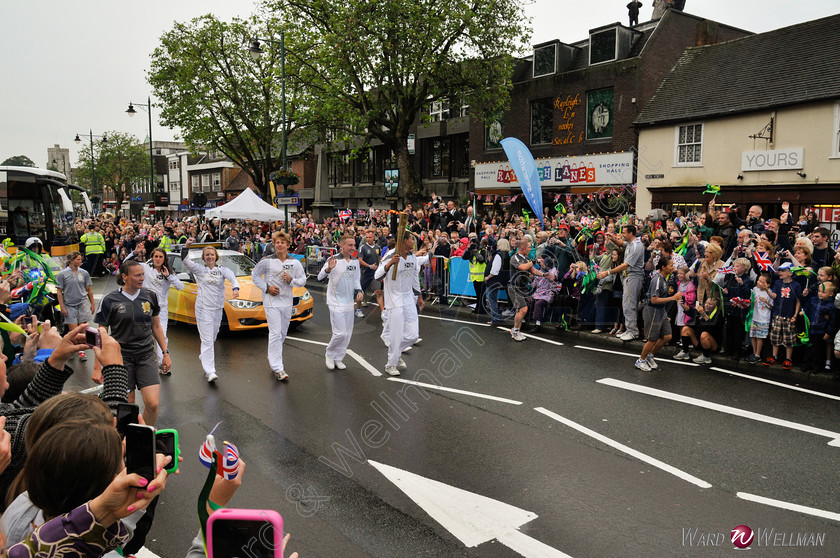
[246, 205]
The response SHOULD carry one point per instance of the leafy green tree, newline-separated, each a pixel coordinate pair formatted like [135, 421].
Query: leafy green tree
[210, 87]
[371, 66]
[18, 161]
[120, 162]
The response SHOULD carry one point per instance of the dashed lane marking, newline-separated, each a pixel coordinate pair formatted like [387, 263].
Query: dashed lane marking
[634, 355]
[453, 390]
[529, 336]
[778, 384]
[354, 355]
[834, 436]
[788, 506]
[626, 449]
[454, 320]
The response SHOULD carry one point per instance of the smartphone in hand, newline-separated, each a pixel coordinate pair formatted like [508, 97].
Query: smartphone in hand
[140, 451]
[127, 413]
[238, 532]
[168, 438]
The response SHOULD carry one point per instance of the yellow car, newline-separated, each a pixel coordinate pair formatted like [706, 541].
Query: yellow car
[245, 312]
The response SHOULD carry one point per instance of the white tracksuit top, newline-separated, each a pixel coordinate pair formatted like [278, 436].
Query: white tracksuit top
[211, 284]
[399, 292]
[269, 273]
[345, 280]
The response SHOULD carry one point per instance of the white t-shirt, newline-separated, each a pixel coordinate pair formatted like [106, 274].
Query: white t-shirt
[763, 306]
[345, 280]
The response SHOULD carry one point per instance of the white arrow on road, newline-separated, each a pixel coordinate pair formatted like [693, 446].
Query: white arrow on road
[471, 518]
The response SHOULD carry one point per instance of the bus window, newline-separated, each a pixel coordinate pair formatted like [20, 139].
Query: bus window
[27, 215]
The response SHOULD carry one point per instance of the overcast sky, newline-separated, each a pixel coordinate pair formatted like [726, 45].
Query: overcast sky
[70, 67]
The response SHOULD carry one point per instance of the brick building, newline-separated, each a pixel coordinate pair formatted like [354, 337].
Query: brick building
[758, 116]
[574, 104]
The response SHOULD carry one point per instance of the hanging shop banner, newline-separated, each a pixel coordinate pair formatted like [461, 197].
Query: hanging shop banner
[595, 170]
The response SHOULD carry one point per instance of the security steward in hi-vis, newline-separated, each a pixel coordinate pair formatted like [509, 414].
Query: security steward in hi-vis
[476, 254]
[94, 250]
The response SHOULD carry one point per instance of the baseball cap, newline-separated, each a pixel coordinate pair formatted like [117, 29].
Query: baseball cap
[787, 266]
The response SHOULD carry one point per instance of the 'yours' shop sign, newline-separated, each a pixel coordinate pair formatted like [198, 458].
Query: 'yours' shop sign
[610, 168]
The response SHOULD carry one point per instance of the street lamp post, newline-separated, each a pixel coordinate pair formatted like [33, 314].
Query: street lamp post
[148, 109]
[78, 140]
[256, 51]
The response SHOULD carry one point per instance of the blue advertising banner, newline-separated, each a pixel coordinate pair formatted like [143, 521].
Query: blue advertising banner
[526, 173]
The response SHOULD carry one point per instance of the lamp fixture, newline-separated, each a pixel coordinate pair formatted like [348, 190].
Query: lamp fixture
[801, 174]
[131, 111]
[740, 177]
[255, 50]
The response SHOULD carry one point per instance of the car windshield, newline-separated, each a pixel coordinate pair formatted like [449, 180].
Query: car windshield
[239, 264]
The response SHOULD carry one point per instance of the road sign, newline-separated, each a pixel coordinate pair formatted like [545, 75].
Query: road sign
[286, 200]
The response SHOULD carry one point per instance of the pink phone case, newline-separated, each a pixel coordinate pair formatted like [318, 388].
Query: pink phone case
[264, 516]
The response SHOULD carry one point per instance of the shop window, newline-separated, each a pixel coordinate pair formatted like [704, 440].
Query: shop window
[689, 145]
[542, 121]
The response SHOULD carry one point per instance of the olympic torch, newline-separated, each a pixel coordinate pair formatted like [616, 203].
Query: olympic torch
[400, 236]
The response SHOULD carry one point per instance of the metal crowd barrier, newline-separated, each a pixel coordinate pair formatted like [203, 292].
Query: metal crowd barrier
[316, 256]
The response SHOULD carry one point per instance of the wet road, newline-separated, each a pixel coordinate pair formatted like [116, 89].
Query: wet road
[581, 452]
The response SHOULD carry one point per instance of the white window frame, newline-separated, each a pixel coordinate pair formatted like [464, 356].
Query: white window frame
[174, 186]
[437, 110]
[835, 133]
[195, 183]
[534, 63]
[677, 144]
[205, 182]
[615, 52]
[216, 182]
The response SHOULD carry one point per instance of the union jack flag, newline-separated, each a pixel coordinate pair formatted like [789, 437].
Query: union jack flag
[739, 302]
[726, 270]
[345, 214]
[763, 261]
[230, 468]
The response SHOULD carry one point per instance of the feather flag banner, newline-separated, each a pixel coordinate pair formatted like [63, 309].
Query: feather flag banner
[526, 172]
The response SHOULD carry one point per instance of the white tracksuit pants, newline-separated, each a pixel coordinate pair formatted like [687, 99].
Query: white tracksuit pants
[342, 331]
[208, 322]
[278, 325]
[403, 330]
[164, 324]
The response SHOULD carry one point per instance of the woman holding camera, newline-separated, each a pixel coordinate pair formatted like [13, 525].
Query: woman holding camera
[476, 254]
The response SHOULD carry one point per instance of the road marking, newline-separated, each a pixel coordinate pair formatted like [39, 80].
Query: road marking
[365, 364]
[453, 320]
[788, 506]
[356, 356]
[634, 355]
[779, 384]
[146, 553]
[625, 449]
[472, 518]
[543, 339]
[453, 390]
[835, 436]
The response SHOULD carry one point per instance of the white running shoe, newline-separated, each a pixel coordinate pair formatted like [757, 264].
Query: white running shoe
[359, 313]
[643, 365]
[280, 376]
[340, 365]
[402, 365]
[212, 377]
[702, 359]
[682, 355]
[517, 335]
[407, 349]
[419, 340]
[392, 371]
[652, 362]
[330, 363]
[597, 331]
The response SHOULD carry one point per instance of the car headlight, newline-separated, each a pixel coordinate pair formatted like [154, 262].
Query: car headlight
[306, 296]
[242, 304]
